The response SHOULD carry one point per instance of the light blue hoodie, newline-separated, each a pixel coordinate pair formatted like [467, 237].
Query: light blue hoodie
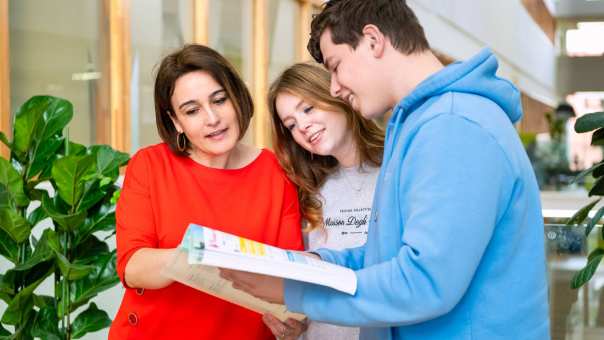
[455, 247]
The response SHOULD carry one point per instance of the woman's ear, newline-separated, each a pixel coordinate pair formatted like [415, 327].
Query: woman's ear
[376, 40]
[175, 121]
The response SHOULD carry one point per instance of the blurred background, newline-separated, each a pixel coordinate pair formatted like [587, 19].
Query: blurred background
[102, 54]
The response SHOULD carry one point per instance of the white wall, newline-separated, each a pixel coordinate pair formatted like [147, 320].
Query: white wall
[460, 28]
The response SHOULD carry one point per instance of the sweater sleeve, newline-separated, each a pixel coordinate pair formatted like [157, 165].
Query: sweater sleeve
[135, 225]
[454, 188]
[352, 258]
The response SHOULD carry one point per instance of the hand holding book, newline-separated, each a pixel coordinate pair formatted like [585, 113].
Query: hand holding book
[255, 268]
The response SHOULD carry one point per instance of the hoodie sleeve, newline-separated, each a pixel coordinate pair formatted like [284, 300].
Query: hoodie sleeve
[455, 183]
[351, 258]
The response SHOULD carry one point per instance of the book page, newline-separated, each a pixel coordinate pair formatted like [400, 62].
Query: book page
[208, 280]
[211, 247]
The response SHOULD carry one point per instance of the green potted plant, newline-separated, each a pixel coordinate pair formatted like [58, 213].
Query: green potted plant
[69, 188]
[588, 123]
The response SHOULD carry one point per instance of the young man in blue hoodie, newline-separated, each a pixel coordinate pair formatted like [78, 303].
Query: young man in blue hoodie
[455, 247]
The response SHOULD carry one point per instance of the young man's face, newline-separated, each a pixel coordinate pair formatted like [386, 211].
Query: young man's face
[354, 76]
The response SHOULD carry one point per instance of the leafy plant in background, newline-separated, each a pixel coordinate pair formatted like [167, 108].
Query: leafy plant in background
[588, 123]
[80, 202]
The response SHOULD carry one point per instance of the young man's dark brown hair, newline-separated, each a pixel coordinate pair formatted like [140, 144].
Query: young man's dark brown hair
[346, 19]
[188, 59]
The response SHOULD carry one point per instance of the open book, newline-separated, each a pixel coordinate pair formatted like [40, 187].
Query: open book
[204, 249]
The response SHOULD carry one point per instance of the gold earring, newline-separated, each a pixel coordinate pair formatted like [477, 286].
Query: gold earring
[181, 142]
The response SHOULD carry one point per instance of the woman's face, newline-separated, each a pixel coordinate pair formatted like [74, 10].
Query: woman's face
[321, 132]
[203, 111]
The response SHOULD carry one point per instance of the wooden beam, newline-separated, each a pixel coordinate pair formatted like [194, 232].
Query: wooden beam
[543, 18]
[201, 10]
[119, 73]
[260, 72]
[306, 10]
[5, 114]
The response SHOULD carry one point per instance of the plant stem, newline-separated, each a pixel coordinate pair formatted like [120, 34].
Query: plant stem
[68, 284]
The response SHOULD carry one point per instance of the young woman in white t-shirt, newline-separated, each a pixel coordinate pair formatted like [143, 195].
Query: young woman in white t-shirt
[333, 155]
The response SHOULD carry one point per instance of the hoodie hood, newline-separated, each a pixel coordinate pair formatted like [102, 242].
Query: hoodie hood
[476, 76]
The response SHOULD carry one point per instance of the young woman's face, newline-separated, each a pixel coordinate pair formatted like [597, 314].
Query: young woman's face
[319, 131]
[203, 111]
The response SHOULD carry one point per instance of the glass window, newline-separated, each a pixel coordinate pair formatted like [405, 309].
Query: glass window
[230, 33]
[284, 19]
[57, 54]
[157, 28]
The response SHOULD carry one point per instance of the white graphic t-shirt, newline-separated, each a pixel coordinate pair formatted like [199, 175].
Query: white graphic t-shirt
[347, 198]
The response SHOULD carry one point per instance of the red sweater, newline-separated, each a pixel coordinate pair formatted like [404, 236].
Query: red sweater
[162, 194]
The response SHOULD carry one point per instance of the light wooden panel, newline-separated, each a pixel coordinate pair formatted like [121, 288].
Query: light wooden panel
[260, 73]
[119, 73]
[200, 21]
[544, 19]
[306, 10]
[4, 76]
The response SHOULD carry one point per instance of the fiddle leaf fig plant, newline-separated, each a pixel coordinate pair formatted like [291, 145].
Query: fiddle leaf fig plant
[587, 123]
[64, 193]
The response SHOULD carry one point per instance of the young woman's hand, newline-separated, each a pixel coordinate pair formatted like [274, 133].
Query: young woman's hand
[291, 329]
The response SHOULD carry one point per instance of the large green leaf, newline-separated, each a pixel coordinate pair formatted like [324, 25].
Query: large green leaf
[7, 283]
[581, 215]
[10, 178]
[587, 273]
[100, 279]
[45, 155]
[21, 305]
[592, 223]
[597, 138]
[88, 251]
[46, 324]
[15, 225]
[38, 119]
[72, 271]
[90, 320]
[598, 188]
[93, 194]
[66, 222]
[36, 216]
[4, 332]
[4, 139]
[70, 174]
[41, 301]
[42, 253]
[102, 220]
[589, 122]
[8, 247]
[108, 160]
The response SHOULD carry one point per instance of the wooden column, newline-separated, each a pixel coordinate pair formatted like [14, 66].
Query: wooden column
[260, 72]
[5, 113]
[119, 73]
[201, 10]
[306, 9]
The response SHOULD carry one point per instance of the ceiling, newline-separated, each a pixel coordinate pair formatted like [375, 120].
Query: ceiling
[588, 9]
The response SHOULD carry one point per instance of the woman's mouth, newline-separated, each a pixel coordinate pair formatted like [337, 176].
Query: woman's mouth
[316, 137]
[218, 134]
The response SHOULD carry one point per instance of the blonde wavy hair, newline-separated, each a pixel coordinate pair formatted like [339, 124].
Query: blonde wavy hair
[309, 172]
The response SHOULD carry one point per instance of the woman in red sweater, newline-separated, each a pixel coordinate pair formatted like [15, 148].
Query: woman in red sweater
[201, 174]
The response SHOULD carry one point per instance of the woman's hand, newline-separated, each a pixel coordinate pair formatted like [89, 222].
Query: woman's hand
[291, 329]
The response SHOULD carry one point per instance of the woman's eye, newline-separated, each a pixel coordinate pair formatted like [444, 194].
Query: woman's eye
[308, 109]
[220, 101]
[191, 111]
[290, 126]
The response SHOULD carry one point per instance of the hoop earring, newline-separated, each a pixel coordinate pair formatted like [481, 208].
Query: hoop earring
[181, 142]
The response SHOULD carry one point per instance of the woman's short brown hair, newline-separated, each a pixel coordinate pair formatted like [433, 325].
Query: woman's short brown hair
[191, 58]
